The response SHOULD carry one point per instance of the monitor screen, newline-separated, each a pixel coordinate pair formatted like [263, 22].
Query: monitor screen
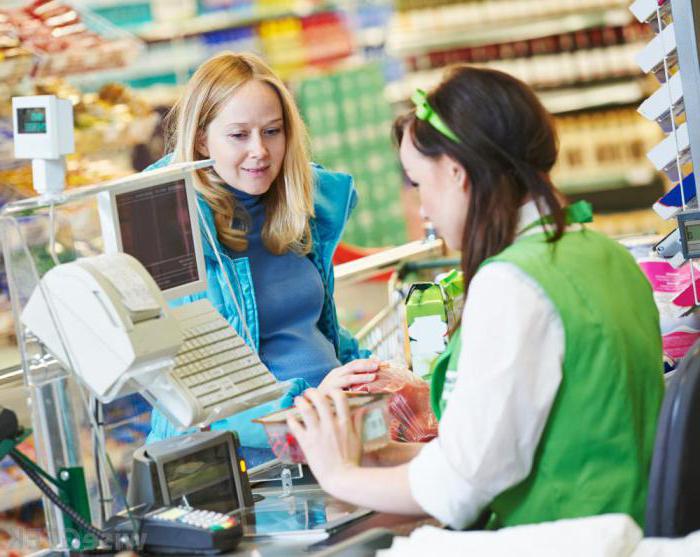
[204, 478]
[156, 229]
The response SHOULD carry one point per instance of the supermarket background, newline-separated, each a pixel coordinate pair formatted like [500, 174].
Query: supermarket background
[352, 64]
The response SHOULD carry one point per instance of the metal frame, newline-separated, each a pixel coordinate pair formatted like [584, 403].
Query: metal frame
[372, 265]
[687, 30]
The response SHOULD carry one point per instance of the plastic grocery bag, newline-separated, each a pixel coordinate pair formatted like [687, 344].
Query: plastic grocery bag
[412, 417]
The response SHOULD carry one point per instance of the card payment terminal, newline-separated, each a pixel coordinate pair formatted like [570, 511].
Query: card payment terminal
[201, 469]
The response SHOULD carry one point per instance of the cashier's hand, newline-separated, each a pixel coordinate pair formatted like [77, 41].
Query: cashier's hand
[353, 373]
[331, 443]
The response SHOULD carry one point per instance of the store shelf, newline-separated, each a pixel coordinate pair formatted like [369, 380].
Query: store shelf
[572, 99]
[109, 47]
[402, 43]
[219, 20]
[616, 199]
[172, 60]
[557, 101]
[587, 184]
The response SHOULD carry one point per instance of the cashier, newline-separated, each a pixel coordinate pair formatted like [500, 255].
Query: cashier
[557, 366]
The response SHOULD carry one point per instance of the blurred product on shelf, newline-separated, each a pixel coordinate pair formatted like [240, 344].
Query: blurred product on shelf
[492, 11]
[15, 60]
[16, 182]
[291, 44]
[629, 223]
[581, 57]
[294, 36]
[112, 118]
[432, 27]
[61, 40]
[604, 149]
[349, 122]
[108, 123]
[590, 51]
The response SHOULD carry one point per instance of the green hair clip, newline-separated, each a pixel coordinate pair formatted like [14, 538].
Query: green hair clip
[426, 113]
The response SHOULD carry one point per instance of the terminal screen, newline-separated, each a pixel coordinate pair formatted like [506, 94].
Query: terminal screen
[31, 120]
[204, 478]
[156, 229]
[692, 231]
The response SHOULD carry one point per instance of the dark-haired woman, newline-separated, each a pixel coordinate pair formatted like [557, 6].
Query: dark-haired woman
[548, 396]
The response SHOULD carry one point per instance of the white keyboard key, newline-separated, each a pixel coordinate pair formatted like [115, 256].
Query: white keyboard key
[215, 364]
[205, 389]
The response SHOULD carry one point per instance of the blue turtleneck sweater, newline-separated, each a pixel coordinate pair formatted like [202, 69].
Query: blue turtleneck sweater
[289, 296]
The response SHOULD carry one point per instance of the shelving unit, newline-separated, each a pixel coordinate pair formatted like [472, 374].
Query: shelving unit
[572, 99]
[408, 42]
[578, 56]
[219, 20]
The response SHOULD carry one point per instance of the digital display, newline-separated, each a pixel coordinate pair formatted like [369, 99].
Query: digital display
[692, 232]
[205, 478]
[156, 229]
[31, 120]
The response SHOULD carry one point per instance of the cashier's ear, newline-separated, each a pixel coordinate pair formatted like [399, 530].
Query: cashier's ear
[458, 174]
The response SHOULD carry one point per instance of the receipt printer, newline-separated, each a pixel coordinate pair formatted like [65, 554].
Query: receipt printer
[105, 317]
[203, 470]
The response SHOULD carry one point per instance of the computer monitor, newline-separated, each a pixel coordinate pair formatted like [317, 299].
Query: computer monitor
[153, 217]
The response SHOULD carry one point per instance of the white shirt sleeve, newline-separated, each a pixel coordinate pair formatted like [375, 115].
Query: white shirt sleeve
[508, 376]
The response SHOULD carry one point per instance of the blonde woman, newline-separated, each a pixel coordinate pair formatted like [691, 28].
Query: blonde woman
[278, 220]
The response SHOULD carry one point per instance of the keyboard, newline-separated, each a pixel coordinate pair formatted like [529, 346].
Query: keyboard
[216, 367]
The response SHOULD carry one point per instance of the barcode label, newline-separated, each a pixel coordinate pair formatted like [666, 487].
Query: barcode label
[373, 425]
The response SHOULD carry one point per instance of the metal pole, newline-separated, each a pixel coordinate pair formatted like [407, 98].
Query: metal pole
[687, 27]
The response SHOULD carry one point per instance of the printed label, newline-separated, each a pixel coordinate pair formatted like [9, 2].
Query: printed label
[373, 425]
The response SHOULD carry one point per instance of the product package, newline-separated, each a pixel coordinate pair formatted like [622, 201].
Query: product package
[432, 310]
[375, 427]
[674, 297]
[412, 418]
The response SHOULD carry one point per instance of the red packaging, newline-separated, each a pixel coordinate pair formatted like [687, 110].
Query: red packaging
[375, 433]
[412, 417]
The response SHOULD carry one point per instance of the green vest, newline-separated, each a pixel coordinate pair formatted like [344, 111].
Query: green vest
[595, 451]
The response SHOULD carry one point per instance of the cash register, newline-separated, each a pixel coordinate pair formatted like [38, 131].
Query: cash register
[110, 320]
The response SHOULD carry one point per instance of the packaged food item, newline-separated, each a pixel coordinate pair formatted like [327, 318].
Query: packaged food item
[412, 417]
[674, 297]
[432, 311]
[375, 427]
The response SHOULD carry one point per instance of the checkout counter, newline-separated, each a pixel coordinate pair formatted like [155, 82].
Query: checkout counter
[98, 324]
[204, 470]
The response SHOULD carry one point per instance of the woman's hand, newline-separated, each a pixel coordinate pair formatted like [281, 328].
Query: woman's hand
[393, 454]
[357, 371]
[332, 444]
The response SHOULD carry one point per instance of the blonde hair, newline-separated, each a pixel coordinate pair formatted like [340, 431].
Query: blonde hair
[289, 202]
